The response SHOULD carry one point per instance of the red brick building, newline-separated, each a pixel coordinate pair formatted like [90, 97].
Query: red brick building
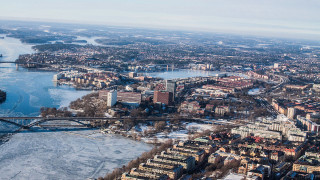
[162, 97]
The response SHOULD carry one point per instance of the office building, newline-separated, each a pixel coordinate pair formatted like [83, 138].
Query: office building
[171, 87]
[112, 98]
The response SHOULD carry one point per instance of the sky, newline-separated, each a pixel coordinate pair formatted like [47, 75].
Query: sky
[281, 18]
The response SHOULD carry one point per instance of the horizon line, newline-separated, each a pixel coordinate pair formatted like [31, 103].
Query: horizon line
[256, 34]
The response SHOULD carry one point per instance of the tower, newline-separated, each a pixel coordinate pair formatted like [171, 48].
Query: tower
[112, 98]
[171, 87]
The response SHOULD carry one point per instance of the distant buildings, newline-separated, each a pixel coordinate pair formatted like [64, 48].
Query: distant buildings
[94, 80]
[296, 87]
[257, 75]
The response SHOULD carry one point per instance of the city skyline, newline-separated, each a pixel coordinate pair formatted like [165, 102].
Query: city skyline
[288, 19]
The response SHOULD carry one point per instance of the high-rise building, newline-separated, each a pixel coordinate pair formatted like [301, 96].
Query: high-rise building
[112, 98]
[162, 97]
[276, 65]
[171, 87]
[291, 113]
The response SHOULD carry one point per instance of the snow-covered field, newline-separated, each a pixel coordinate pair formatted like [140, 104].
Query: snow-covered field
[181, 134]
[233, 176]
[65, 154]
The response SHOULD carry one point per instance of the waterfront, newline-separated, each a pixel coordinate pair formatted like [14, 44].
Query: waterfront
[49, 154]
[28, 91]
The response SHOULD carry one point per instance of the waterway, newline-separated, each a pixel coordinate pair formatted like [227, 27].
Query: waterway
[41, 154]
[27, 90]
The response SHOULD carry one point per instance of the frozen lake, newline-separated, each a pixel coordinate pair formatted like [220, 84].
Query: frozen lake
[65, 154]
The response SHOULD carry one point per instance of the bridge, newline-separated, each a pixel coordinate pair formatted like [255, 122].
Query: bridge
[13, 62]
[28, 122]
[8, 62]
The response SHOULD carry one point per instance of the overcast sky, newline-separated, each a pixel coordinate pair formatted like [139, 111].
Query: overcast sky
[283, 18]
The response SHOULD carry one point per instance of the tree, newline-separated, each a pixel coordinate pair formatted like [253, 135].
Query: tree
[159, 126]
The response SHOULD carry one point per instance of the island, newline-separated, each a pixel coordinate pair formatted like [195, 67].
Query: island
[3, 96]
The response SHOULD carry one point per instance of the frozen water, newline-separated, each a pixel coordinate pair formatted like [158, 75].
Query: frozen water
[65, 155]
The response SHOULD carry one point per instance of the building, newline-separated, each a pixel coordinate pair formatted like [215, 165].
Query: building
[291, 113]
[132, 74]
[276, 65]
[188, 163]
[162, 97]
[129, 98]
[298, 175]
[103, 94]
[173, 173]
[197, 154]
[222, 110]
[140, 174]
[186, 106]
[308, 124]
[112, 98]
[307, 164]
[171, 87]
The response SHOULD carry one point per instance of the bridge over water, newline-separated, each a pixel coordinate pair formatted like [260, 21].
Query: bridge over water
[29, 122]
[8, 62]
[13, 62]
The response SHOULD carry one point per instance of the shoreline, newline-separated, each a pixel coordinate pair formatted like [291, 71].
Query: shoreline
[3, 96]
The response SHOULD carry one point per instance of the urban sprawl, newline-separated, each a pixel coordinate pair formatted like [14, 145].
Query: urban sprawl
[256, 116]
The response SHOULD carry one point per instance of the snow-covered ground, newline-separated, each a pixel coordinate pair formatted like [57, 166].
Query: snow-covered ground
[233, 176]
[255, 91]
[181, 134]
[65, 154]
[200, 127]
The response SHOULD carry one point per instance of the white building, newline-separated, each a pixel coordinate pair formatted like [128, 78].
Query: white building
[291, 113]
[273, 129]
[112, 98]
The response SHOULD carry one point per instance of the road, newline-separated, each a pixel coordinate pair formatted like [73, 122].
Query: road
[262, 101]
[265, 104]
